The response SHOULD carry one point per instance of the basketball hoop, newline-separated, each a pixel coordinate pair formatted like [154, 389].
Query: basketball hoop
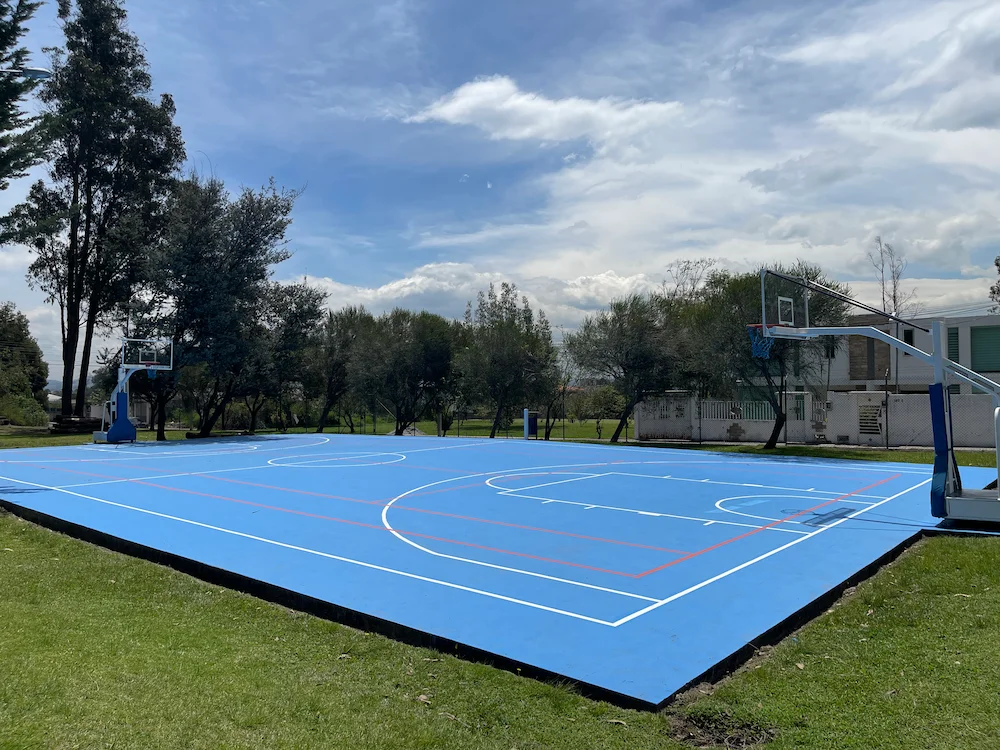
[760, 343]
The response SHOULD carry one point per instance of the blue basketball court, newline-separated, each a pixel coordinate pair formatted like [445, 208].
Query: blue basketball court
[632, 570]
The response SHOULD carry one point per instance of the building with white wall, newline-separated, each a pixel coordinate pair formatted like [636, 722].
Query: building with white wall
[863, 364]
[867, 393]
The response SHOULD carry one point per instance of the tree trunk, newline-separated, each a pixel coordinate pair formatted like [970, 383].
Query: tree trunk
[161, 418]
[213, 414]
[496, 421]
[324, 413]
[623, 421]
[550, 420]
[69, 362]
[88, 341]
[779, 423]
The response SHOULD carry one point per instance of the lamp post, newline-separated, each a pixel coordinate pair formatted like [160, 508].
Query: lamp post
[32, 74]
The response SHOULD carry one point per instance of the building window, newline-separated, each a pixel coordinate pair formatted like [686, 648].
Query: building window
[953, 352]
[985, 348]
[907, 339]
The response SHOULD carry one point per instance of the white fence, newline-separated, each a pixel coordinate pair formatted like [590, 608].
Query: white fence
[682, 416]
[855, 418]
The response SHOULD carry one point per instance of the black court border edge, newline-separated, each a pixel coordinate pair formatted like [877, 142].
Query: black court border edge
[413, 637]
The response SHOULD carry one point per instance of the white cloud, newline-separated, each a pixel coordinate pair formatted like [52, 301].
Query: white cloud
[446, 288]
[14, 260]
[973, 104]
[880, 30]
[759, 153]
[938, 297]
[813, 170]
[499, 108]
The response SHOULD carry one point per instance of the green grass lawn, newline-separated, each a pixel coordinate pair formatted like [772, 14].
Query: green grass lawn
[481, 428]
[102, 650]
[20, 437]
[985, 458]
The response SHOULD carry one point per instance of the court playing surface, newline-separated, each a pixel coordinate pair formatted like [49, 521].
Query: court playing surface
[633, 570]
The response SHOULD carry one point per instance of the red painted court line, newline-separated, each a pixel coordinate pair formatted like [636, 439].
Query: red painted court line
[768, 526]
[383, 528]
[381, 503]
[454, 515]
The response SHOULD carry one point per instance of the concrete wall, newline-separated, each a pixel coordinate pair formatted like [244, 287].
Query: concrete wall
[864, 418]
[855, 418]
[681, 416]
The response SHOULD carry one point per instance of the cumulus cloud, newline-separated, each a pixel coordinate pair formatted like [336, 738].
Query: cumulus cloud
[446, 289]
[870, 125]
[503, 111]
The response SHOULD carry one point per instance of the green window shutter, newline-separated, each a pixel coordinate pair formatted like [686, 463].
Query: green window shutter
[953, 344]
[986, 349]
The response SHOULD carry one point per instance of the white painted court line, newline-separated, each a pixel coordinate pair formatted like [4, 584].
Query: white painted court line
[339, 558]
[161, 476]
[738, 484]
[577, 476]
[268, 465]
[757, 559]
[332, 458]
[592, 506]
[513, 472]
[154, 454]
[519, 492]
[720, 505]
[736, 458]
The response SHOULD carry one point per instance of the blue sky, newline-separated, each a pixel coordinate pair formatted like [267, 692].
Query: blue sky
[580, 147]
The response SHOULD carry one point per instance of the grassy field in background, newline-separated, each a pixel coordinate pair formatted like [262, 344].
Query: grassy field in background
[575, 431]
[985, 458]
[102, 650]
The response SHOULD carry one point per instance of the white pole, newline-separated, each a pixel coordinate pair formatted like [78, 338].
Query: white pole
[805, 285]
[763, 301]
[996, 427]
[938, 352]
[525, 424]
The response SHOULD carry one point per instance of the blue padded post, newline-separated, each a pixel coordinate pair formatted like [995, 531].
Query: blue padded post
[122, 430]
[942, 456]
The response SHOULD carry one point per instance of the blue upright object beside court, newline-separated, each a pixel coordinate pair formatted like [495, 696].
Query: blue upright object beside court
[631, 570]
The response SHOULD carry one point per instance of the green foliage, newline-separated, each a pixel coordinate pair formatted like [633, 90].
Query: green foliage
[629, 345]
[506, 352]
[23, 139]
[23, 410]
[330, 352]
[112, 161]
[404, 363]
[716, 327]
[210, 291]
[20, 356]
[606, 402]
[275, 365]
[23, 374]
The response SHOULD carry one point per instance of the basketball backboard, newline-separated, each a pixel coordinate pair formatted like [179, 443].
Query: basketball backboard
[149, 354]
